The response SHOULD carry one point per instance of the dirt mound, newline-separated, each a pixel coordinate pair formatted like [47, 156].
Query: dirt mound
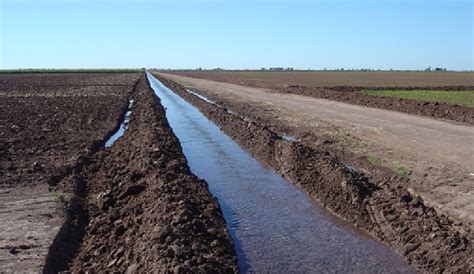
[374, 199]
[143, 209]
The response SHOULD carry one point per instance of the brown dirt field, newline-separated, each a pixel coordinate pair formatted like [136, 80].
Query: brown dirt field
[47, 123]
[68, 204]
[141, 208]
[337, 79]
[372, 197]
[340, 86]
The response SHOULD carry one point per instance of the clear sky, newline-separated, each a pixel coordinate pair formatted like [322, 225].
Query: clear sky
[398, 34]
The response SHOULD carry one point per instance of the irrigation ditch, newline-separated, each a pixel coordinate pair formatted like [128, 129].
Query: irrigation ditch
[379, 204]
[136, 205]
[275, 226]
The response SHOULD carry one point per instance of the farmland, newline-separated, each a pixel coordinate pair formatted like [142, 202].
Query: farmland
[346, 87]
[47, 124]
[236, 136]
[462, 98]
[69, 203]
[53, 128]
[407, 79]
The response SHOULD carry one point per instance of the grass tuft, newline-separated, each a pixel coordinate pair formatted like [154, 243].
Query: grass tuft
[462, 98]
[58, 196]
[402, 170]
[374, 160]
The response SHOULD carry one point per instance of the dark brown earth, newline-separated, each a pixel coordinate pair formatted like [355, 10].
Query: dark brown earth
[68, 204]
[48, 122]
[373, 198]
[330, 86]
[141, 208]
[51, 119]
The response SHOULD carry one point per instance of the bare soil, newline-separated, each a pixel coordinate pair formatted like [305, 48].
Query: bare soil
[137, 207]
[140, 208]
[47, 123]
[343, 86]
[68, 204]
[372, 197]
[349, 79]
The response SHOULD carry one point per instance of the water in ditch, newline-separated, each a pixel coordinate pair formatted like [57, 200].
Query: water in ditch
[123, 126]
[275, 226]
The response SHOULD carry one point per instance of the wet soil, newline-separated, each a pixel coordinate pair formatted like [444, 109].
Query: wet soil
[373, 198]
[303, 85]
[47, 124]
[141, 208]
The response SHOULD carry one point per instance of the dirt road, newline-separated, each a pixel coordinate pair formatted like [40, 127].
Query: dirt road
[31, 218]
[439, 155]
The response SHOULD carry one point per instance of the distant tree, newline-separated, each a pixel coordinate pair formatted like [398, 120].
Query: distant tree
[428, 68]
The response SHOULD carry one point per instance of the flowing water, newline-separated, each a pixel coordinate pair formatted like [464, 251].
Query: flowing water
[275, 226]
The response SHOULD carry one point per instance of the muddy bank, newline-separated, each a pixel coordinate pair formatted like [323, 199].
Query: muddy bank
[142, 208]
[374, 199]
[328, 86]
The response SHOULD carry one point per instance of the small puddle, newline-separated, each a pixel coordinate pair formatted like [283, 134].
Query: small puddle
[289, 138]
[274, 225]
[123, 126]
[351, 168]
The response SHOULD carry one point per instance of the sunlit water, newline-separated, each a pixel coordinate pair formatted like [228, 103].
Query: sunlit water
[123, 126]
[275, 226]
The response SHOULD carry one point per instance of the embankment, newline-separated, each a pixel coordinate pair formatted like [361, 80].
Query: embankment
[378, 203]
[144, 208]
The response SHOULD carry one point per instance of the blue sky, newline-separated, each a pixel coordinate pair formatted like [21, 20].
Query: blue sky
[398, 34]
